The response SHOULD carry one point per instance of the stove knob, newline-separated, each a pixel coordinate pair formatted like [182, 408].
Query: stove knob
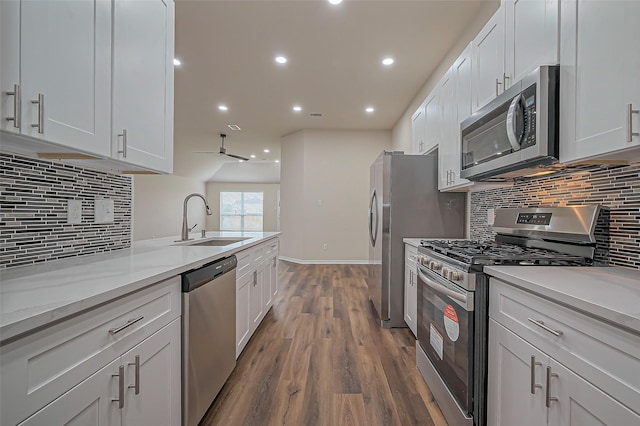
[456, 275]
[445, 272]
[435, 266]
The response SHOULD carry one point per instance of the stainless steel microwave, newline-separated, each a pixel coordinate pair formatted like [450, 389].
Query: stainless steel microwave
[516, 134]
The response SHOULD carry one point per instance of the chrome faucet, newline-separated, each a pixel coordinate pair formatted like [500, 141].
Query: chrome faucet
[185, 228]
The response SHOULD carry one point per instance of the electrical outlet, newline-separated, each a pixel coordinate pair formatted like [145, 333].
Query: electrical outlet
[103, 211]
[325, 246]
[319, 202]
[491, 216]
[74, 211]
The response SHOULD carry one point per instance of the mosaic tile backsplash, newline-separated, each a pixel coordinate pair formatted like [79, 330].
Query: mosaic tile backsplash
[617, 187]
[33, 211]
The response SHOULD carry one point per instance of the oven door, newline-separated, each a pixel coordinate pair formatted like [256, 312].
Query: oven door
[445, 333]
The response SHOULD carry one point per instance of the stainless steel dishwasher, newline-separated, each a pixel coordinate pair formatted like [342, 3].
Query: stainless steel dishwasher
[208, 335]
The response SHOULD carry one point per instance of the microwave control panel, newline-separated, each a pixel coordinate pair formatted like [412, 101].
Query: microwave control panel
[529, 96]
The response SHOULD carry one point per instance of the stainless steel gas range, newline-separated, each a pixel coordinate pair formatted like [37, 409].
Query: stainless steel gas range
[453, 295]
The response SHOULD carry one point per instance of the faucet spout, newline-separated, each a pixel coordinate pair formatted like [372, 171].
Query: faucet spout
[184, 236]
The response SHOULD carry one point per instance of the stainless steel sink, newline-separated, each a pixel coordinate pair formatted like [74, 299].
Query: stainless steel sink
[216, 242]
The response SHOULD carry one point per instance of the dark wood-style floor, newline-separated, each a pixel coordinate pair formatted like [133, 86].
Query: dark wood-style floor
[321, 358]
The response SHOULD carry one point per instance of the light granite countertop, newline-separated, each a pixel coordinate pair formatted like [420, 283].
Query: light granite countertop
[412, 241]
[610, 293]
[33, 296]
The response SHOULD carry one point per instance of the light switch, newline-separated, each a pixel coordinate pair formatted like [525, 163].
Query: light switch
[74, 211]
[103, 211]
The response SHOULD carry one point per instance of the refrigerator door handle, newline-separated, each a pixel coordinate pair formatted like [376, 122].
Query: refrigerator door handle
[373, 203]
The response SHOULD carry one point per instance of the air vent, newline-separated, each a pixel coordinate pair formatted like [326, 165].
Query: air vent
[234, 127]
[315, 114]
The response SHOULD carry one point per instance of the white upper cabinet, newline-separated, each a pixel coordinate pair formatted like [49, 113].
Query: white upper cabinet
[143, 37]
[488, 60]
[448, 137]
[65, 73]
[10, 65]
[417, 130]
[600, 88]
[531, 36]
[521, 36]
[431, 121]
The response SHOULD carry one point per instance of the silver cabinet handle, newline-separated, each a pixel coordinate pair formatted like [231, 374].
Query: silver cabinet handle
[534, 386]
[549, 397]
[120, 398]
[16, 106]
[123, 151]
[498, 84]
[40, 123]
[255, 278]
[136, 385]
[275, 259]
[453, 177]
[630, 132]
[125, 325]
[505, 77]
[540, 324]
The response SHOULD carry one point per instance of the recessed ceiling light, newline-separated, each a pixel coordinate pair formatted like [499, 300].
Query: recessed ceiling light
[240, 161]
[281, 59]
[176, 62]
[266, 150]
[387, 61]
[334, 2]
[277, 161]
[369, 109]
[222, 107]
[297, 108]
[252, 156]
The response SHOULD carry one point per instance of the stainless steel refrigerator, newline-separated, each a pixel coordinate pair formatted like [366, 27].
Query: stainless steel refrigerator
[405, 203]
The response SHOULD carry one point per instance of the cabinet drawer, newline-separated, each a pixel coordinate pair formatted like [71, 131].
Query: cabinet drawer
[604, 355]
[270, 248]
[45, 364]
[257, 254]
[245, 262]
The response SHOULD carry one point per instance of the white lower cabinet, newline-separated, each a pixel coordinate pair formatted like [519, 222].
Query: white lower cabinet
[150, 389]
[410, 288]
[551, 365]
[115, 364]
[256, 288]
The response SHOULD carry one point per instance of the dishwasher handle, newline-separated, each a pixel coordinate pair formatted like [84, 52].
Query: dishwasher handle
[198, 277]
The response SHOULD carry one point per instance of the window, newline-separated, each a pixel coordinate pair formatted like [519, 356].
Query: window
[241, 211]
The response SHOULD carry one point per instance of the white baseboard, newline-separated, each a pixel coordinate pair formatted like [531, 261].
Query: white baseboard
[324, 262]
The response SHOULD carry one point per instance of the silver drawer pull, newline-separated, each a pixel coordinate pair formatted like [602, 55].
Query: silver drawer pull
[534, 386]
[540, 324]
[136, 386]
[550, 398]
[127, 324]
[120, 398]
[40, 103]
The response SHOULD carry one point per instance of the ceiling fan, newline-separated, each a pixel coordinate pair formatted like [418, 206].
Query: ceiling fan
[223, 150]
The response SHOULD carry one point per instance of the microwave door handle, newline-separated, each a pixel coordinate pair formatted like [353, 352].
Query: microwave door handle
[511, 123]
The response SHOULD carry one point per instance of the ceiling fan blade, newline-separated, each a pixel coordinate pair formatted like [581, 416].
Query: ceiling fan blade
[205, 152]
[237, 156]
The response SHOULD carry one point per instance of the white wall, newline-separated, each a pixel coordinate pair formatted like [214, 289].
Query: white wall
[325, 193]
[157, 205]
[270, 191]
[401, 133]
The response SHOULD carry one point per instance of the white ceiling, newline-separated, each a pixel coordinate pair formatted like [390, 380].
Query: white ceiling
[227, 49]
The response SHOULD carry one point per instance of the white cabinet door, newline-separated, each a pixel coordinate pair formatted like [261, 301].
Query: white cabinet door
[153, 379]
[143, 37]
[599, 60]
[462, 77]
[256, 307]
[65, 61]
[511, 382]
[579, 403]
[448, 140]
[273, 276]
[408, 318]
[10, 64]
[488, 60]
[243, 316]
[431, 121]
[531, 36]
[267, 293]
[418, 130]
[88, 403]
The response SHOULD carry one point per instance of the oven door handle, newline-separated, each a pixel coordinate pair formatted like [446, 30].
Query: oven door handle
[460, 297]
